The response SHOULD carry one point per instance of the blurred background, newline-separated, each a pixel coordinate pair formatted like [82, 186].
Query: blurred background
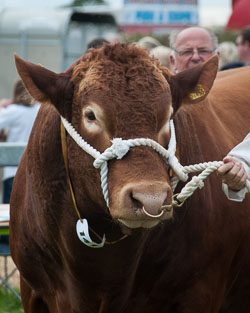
[55, 33]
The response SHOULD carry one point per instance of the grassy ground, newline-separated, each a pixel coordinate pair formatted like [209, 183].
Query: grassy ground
[9, 303]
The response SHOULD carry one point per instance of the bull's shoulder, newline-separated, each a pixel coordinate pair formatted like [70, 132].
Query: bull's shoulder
[43, 150]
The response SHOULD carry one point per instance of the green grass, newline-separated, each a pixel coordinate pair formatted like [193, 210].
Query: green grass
[9, 303]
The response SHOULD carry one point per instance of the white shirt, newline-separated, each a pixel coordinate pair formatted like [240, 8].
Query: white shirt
[242, 153]
[18, 121]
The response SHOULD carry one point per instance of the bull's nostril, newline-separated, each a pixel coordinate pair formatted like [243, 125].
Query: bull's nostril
[136, 204]
[167, 199]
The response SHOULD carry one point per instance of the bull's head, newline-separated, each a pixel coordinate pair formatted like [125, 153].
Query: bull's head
[118, 91]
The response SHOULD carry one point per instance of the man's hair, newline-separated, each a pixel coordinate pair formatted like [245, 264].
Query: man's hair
[161, 53]
[228, 53]
[245, 33]
[97, 43]
[21, 95]
[174, 34]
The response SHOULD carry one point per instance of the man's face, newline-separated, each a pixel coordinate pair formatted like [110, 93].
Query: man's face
[243, 49]
[192, 47]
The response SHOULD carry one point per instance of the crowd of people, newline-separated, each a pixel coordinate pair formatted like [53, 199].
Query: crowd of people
[187, 48]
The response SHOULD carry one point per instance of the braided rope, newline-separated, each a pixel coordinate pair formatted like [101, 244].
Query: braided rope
[104, 182]
[197, 181]
[120, 147]
[79, 140]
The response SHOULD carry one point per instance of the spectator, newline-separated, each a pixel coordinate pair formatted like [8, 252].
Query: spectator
[4, 103]
[243, 45]
[235, 170]
[114, 37]
[97, 43]
[191, 46]
[162, 53]
[17, 119]
[148, 43]
[228, 56]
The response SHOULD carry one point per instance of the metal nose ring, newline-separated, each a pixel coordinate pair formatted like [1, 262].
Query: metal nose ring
[151, 215]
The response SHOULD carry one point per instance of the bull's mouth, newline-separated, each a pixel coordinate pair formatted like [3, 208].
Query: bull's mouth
[141, 220]
[139, 223]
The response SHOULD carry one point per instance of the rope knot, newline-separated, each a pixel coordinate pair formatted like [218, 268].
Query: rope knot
[119, 147]
[198, 182]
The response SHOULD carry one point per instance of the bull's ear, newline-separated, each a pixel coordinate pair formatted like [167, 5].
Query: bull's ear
[45, 85]
[193, 85]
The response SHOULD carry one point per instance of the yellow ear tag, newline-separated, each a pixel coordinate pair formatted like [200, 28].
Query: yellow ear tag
[40, 64]
[198, 93]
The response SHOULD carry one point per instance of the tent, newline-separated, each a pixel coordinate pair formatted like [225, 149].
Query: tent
[240, 16]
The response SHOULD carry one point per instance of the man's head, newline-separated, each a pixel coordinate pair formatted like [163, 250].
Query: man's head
[191, 46]
[97, 43]
[243, 45]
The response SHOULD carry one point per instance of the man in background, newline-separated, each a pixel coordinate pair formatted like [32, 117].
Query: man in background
[191, 46]
[243, 45]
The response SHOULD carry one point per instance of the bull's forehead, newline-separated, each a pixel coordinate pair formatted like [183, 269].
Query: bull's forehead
[133, 93]
[122, 79]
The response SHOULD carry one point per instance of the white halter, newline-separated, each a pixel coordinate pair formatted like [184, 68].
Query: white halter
[120, 148]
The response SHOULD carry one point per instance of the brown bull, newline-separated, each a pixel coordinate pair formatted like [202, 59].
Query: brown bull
[191, 259]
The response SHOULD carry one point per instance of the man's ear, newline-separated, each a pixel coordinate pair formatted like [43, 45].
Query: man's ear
[45, 85]
[192, 85]
[172, 60]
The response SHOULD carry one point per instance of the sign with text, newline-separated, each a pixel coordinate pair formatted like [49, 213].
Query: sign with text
[159, 14]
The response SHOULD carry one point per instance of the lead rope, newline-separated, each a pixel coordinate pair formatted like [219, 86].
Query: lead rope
[197, 181]
[119, 149]
[82, 224]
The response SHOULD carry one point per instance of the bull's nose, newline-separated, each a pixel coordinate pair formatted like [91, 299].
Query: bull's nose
[151, 201]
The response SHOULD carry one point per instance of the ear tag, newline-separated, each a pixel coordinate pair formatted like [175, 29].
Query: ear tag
[82, 230]
[40, 64]
[198, 93]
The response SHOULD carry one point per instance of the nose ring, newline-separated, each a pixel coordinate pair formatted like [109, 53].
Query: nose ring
[151, 215]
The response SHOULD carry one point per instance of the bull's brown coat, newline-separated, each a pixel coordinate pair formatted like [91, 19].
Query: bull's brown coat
[199, 260]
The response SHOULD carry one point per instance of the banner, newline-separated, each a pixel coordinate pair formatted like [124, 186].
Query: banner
[155, 15]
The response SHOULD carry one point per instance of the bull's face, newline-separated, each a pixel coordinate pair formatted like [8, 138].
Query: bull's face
[119, 92]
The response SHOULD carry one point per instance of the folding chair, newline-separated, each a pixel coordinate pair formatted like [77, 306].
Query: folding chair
[5, 248]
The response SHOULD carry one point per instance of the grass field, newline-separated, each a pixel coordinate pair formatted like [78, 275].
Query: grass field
[9, 303]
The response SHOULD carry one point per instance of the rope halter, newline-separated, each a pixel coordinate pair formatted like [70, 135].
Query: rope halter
[120, 148]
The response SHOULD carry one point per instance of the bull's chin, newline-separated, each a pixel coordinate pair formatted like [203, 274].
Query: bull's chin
[139, 223]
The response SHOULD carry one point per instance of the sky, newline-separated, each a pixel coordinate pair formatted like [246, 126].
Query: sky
[212, 12]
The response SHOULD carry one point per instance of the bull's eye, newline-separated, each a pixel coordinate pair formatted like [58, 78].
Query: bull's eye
[90, 116]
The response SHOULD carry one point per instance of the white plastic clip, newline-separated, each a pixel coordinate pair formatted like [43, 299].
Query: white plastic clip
[82, 230]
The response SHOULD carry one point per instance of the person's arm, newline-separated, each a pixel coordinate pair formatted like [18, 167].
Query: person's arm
[234, 177]
[235, 171]
[7, 116]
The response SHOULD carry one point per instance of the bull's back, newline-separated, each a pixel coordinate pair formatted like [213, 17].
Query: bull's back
[230, 100]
